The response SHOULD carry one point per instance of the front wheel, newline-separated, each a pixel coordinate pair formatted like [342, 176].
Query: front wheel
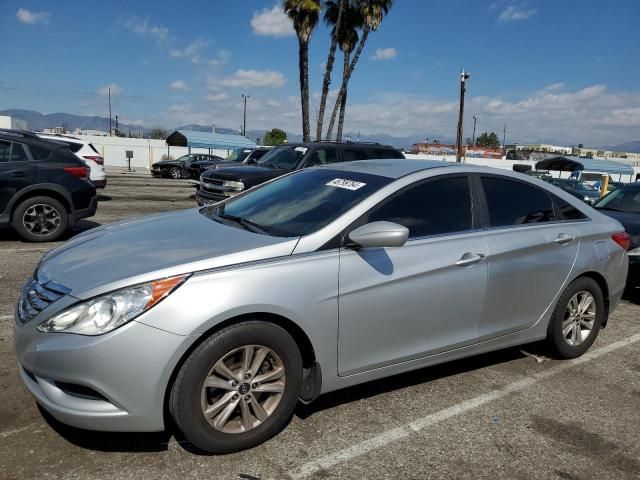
[577, 318]
[175, 172]
[40, 219]
[238, 388]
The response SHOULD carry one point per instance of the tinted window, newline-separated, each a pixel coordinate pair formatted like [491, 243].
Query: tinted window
[18, 154]
[386, 153]
[74, 147]
[626, 199]
[351, 154]
[301, 203]
[258, 154]
[568, 211]
[432, 208]
[322, 156]
[39, 153]
[286, 158]
[514, 203]
[5, 151]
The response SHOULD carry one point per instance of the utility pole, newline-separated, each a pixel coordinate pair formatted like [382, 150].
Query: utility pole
[244, 121]
[473, 137]
[109, 111]
[504, 139]
[464, 76]
[117, 125]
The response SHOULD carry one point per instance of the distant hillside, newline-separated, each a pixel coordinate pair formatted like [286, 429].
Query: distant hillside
[632, 146]
[38, 121]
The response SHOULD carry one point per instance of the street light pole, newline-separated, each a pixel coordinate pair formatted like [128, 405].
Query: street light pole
[464, 76]
[473, 137]
[504, 139]
[244, 121]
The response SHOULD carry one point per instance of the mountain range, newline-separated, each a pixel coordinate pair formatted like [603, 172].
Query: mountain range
[39, 121]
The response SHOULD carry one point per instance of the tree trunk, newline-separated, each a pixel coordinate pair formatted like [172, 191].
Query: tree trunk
[343, 103]
[303, 65]
[327, 74]
[345, 81]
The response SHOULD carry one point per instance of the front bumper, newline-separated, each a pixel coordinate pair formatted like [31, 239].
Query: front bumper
[90, 211]
[111, 382]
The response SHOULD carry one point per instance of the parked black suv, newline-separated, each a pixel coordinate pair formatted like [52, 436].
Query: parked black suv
[246, 156]
[216, 185]
[44, 187]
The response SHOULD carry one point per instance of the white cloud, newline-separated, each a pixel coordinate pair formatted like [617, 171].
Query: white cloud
[385, 54]
[115, 89]
[272, 22]
[516, 12]
[250, 78]
[555, 86]
[142, 26]
[217, 97]
[179, 85]
[221, 59]
[191, 51]
[32, 18]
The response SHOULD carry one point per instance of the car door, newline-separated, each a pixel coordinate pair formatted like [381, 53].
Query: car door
[398, 304]
[16, 171]
[531, 254]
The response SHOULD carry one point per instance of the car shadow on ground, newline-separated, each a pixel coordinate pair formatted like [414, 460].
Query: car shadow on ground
[9, 235]
[158, 442]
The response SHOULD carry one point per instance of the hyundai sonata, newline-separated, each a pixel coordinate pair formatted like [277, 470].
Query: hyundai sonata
[226, 316]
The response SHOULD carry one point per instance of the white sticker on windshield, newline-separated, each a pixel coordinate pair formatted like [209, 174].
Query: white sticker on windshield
[301, 149]
[344, 183]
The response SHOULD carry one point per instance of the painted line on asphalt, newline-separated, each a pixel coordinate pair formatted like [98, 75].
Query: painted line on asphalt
[25, 250]
[5, 317]
[395, 434]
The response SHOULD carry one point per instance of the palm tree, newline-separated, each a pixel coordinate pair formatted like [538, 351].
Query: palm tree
[332, 16]
[373, 11]
[304, 14]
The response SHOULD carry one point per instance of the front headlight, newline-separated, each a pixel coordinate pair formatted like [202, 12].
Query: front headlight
[234, 185]
[108, 312]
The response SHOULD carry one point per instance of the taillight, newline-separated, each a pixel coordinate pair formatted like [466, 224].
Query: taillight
[94, 158]
[80, 172]
[622, 239]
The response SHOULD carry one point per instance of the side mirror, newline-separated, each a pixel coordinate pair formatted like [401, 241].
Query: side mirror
[380, 234]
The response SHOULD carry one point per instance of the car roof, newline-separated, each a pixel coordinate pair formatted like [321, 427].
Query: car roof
[336, 144]
[390, 168]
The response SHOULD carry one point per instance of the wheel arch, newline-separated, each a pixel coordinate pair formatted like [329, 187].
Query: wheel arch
[39, 191]
[604, 286]
[312, 376]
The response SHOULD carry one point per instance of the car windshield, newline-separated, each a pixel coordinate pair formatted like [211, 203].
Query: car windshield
[584, 187]
[285, 158]
[184, 158]
[297, 204]
[237, 155]
[621, 199]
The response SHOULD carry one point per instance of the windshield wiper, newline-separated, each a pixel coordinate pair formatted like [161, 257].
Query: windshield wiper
[243, 222]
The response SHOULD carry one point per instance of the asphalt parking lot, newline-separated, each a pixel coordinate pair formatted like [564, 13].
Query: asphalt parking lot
[507, 414]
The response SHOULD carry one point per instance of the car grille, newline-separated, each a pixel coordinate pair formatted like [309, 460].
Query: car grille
[211, 185]
[38, 295]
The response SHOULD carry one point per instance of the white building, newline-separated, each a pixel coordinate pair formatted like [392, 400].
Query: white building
[12, 123]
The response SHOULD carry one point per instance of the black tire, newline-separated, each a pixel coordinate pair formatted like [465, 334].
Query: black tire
[555, 338]
[175, 173]
[186, 393]
[30, 233]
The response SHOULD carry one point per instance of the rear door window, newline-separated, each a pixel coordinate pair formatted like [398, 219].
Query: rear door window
[5, 151]
[18, 153]
[351, 154]
[39, 153]
[322, 156]
[386, 153]
[511, 203]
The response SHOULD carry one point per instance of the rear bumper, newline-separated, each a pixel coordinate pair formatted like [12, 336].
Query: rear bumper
[90, 211]
[99, 183]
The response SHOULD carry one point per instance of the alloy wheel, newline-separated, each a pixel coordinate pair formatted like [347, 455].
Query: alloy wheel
[579, 318]
[41, 219]
[243, 389]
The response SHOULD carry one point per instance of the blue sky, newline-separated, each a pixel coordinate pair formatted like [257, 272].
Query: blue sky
[552, 70]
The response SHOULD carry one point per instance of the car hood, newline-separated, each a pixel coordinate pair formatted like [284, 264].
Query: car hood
[250, 175]
[165, 162]
[157, 246]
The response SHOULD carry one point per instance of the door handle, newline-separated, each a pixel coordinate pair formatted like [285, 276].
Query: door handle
[18, 174]
[469, 259]
[564, 239]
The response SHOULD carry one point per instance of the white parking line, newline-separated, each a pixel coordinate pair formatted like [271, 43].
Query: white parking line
[5, 317]
[399, 433]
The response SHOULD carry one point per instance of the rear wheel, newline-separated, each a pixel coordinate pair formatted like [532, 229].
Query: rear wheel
[577, 318]
[238, 388]
[40, 219]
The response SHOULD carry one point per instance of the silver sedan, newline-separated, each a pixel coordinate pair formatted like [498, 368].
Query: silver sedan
[226, 316]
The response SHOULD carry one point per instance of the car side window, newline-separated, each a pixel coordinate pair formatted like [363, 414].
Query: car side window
[258, 153]
[18, 154]
[568, 211]
[322, 156]
[5, 151]
[39, 153]
[386, 153]
[434, 207]
[351, 154]
[512, 203]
